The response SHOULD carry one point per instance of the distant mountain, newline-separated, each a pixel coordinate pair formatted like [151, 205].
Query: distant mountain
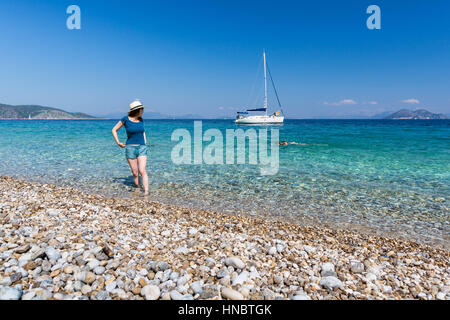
[415, 114]
[381, 115]
[38, 112]
[147, 115]
[189, 116]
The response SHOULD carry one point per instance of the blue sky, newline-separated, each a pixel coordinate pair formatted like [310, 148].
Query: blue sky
[203, 57]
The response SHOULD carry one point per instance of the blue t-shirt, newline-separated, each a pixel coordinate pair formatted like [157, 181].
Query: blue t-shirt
[135, 131]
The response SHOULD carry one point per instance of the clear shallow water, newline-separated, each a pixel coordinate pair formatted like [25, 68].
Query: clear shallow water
[381, 176]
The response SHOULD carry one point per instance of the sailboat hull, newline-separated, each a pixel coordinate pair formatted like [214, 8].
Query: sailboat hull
[260, 120]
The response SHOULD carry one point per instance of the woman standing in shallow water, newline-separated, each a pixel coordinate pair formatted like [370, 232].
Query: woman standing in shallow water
[136, 149]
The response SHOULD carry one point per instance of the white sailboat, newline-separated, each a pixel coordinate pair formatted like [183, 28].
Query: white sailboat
[245, 117]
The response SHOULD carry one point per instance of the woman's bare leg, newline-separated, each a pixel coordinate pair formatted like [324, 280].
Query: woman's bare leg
[142, 162]
[134, 170]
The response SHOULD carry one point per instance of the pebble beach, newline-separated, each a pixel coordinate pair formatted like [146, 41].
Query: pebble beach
[61, 243]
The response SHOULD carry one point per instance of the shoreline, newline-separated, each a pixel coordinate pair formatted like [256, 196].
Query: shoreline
[314, 222]
[62, 243]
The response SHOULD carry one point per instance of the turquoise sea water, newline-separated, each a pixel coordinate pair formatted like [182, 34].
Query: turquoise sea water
[380, 176]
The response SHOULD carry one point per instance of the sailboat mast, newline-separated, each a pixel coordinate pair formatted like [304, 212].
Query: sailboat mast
[265, 82]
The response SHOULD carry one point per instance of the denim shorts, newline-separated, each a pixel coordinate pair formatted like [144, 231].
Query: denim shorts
[132, 152]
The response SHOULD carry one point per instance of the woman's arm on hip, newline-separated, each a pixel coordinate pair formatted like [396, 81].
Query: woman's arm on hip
[114, 133]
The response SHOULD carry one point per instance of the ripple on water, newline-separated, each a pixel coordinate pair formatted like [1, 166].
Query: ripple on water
[371, 176]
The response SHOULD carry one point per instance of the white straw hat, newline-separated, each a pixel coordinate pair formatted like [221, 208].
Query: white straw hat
[136, 104]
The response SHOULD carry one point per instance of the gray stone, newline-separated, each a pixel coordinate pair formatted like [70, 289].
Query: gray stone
[86, 289]
[272, 251]
[99, 270]
[174, 276]
[13, 262]
[6, 255]
[160, 266]
[15, 277]
[46, 266]
[231, 294]
[111, 286]
[92, 264]
[225, 281]
[165, 233]
[102, 295]
[210, 291]
[376, 270]
[159, 275]
[181, 250]
[440, 296]
[330, 283]
[29, 295]
[254, 274]
[197, 286]
[47, 284]
[387, 289]
[37, 271]
[101, 256]
[278, 279]
[327, 269]
[370, 277]
[96, 250]
[53, 212]
[42, 294]
[175, 295]
[25, 258]
[193, 231]
[204, 269]
[6, 281]
[23, 249]
[58, 296]
[300, 297]
[143, 272]
[210, 262]
[166, 275]
[240, 279]
[150, 292]
[131, 273]
[309, 249]
[7, 293]
[154, 282]
[52, 253]
[356, 266]
[422, 295]
[182, 281]
[77, 285]
[235, 262]
[222, 273]
[121, 293]
[36, 254]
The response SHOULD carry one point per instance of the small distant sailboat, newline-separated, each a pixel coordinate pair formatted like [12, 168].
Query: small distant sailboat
[245, 118]
[29, 116]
